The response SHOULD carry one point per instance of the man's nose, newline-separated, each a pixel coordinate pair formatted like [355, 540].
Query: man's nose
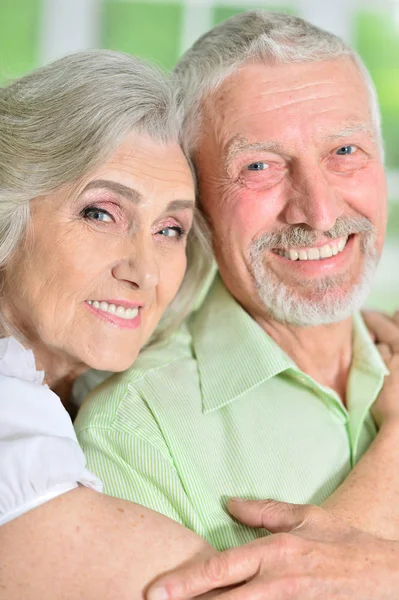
[139, 267]
[313, 200]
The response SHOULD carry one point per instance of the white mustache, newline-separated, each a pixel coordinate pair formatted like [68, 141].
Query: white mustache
[301, 236]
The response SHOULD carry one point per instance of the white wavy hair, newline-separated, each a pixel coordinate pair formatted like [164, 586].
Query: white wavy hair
[65, 119]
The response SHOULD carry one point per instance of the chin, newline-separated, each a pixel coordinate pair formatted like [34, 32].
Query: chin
[113, 361]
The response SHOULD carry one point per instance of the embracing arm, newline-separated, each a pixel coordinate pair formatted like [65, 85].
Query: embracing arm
[85, 545]
[369, 497]
[331, 552]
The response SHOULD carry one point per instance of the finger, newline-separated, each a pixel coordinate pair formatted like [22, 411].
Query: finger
[231, 567]
[385, 328]
[258, 590]
[272, 515]
[386, 353]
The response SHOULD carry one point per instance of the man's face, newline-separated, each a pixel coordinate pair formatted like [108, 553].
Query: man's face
[292, 181]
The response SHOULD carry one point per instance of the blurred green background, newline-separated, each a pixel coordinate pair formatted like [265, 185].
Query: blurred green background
[33, 32]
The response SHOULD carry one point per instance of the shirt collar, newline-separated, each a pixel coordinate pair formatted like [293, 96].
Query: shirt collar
[365, 354]
[233, 352]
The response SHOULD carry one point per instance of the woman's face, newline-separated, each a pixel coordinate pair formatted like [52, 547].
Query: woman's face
[102, 262]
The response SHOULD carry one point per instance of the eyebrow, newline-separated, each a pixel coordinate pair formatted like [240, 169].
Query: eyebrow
[133, 195]
[238, 144]
[350, 130]
[180, 205]
[117, 188]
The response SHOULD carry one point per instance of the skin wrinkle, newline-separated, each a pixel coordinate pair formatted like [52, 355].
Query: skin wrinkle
[240, 144]
[317, 189]
[46, 289]
[133, 195]
[289, 90]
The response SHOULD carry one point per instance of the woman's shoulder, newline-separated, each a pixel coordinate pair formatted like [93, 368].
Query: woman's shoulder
[18, 363]
[40, 456]
[24, 398]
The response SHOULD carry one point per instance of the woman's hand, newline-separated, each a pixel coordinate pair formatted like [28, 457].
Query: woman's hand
[385, 331]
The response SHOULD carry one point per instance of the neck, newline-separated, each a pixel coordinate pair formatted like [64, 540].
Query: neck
[60, 372]
[323, 352]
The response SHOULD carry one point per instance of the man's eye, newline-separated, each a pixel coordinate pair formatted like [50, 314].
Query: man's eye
[346, 150]
[172, 232]
[257, 166]
[97, 214]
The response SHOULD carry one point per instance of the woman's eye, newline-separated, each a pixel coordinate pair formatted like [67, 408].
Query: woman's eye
[257, 166]
[97, 214]
[346, 150]
[172, 232]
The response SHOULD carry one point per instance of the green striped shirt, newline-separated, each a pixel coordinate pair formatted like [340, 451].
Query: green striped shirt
[220, 410]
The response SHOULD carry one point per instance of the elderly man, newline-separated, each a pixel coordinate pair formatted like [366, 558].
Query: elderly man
[266, 391]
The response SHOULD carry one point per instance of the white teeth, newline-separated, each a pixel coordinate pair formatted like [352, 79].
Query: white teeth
[303, 255]
[119, 311]
[326, 251]
[313, 254]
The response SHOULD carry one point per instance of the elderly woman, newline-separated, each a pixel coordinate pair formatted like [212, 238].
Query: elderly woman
[96, 215]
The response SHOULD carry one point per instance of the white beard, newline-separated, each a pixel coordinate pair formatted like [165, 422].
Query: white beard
[326, 304]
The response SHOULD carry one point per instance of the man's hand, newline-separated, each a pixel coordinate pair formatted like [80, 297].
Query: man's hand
[314, 554]
[311, 555]
[385, 331]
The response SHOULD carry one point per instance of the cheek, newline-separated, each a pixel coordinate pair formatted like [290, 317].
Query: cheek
[367, 195]
[367, 192]
[248, 214]
[82, 263]
[172, 271]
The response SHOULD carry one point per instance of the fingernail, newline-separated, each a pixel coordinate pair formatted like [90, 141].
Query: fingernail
[158, 593]
[238, 500]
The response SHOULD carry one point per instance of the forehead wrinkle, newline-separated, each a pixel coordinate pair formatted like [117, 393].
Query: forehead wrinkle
[292, 101]
[299, 87]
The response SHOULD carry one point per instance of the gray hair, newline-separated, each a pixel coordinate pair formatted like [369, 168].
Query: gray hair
[67, 118]
[257, 36]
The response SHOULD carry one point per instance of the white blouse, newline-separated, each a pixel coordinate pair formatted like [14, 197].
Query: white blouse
[40, 457]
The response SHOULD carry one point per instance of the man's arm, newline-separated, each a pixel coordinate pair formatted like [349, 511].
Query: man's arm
[320, 552]
[88, 546]
[322, 557]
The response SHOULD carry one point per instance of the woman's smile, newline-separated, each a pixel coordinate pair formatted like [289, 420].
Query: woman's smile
[114, 246]
[119, 313]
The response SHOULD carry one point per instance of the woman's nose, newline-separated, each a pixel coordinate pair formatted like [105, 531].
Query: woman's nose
[140, 268]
